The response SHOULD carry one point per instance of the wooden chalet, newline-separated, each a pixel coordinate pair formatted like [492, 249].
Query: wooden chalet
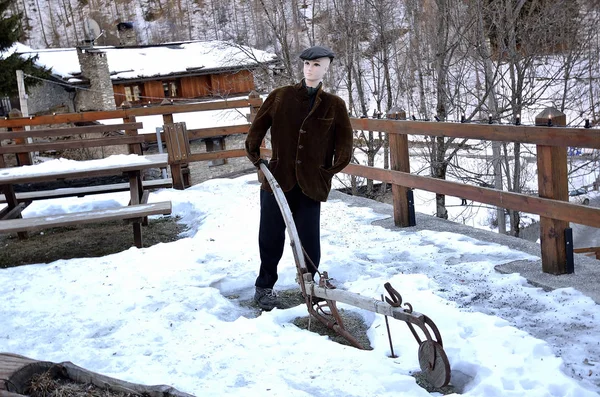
[145, 74]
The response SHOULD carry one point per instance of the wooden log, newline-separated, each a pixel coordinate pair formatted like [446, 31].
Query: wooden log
[17, 372]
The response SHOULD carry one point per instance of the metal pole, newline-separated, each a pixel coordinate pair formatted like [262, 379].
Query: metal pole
[387, 325]
[160, 149]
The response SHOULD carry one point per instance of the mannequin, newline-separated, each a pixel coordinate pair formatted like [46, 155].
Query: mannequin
[311, 140]
[315, 70]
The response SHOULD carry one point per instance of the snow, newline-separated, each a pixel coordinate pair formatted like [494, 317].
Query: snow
[173, 313]
[63, 165]
[150, 61]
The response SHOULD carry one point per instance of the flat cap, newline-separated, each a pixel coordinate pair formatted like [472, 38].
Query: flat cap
[317, 52]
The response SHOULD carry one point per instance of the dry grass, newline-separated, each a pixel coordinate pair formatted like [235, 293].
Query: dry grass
[49, 384]
[83, 241]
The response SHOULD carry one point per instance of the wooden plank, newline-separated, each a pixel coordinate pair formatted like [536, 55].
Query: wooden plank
[218, 131]
[13, 206]
[203, 133]
[154, 90]
[134, 148]
[119, 92]
[195, 86]
[177, 175]
[12, 213]
[22, 158]
[217, 155]
[136, 192]
[399, 161]
[178, 144]
[122, 113]
[581, 214]
[550, 136]
[71, 144]
[76, 218]
[87, 190]
[553, 184]
[7, 176]
[586, 250]
[363, 302]
[70, 130]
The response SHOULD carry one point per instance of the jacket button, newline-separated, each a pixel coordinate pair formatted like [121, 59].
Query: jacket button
[302, 131]
[300, 147]
[299, 161]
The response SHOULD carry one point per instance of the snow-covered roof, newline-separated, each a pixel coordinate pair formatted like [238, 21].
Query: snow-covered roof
[127, 63]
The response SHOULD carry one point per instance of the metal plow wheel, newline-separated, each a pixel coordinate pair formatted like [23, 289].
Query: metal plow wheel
[321, 302]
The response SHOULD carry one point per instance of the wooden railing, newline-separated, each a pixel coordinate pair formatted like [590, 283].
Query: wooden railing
[552, 204]
[551, 142]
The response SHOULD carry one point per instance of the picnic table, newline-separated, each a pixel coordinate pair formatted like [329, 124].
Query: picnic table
[131, 166]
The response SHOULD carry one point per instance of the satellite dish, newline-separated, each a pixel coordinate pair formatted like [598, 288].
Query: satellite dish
[92, 30]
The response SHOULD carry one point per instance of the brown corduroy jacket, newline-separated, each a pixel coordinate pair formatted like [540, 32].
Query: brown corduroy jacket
[309, 147]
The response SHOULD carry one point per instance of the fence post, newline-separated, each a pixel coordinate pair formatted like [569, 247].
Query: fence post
[255, 104]
[399, 161]
[133, 148]
[552, 184]
[22, 158]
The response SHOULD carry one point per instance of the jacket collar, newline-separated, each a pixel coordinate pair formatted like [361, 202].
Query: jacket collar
[302, 87]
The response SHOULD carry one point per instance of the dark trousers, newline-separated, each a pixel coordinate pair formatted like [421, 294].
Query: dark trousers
[271, 235]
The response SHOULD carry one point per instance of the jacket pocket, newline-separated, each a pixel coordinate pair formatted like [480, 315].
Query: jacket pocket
[325, 123]
[326, 176]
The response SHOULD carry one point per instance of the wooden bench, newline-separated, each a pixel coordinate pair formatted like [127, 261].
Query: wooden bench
[25, 197]
[137, 211]
[82, 140]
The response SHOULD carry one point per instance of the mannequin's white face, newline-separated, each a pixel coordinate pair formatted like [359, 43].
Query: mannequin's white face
[314, 70]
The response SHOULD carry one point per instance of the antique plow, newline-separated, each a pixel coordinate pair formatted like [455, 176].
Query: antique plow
[321, 301]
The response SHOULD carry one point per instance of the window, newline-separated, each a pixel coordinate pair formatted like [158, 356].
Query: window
[133, 93]
[170, 89]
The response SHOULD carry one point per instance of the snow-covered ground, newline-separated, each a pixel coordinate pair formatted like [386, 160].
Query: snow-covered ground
[166, 314]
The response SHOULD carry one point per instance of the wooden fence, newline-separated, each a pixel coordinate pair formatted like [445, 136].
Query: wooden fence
[551, 142]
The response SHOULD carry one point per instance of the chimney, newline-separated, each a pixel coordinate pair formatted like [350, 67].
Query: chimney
[94, 67]
[127, 35]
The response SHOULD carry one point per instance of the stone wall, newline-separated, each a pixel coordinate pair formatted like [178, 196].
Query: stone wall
[47, 98]
[94, 67]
